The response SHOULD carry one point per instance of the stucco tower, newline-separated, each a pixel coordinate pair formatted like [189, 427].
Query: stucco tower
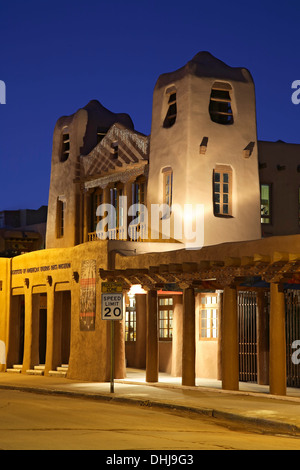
[203, 147]
[74, 136]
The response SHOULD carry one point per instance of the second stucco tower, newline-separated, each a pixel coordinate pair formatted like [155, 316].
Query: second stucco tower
[203, 148]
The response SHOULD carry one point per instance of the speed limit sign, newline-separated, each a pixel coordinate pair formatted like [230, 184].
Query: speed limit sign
[112, 301]
[112, 307]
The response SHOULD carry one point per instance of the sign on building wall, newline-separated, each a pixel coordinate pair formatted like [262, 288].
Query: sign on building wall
[88, 295]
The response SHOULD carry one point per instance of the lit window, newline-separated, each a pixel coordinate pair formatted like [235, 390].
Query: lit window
[165, 311]
[130, 319]
[222, 190]
[265, 203]
[209, 317]
[138, 230]
[118, 222]
[139, 195]
[65, 149]
[60, 220]
[220, 103]
[97, 200]
[172, 110]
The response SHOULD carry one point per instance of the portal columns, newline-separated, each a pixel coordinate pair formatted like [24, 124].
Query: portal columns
[152, 337]
[188, 338]
[229, 338]
[277, 340]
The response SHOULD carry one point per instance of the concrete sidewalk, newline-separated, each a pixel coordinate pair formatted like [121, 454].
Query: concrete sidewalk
[251, 405]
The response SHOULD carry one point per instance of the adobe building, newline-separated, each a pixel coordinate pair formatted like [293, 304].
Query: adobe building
[22, 231]
[216, 299]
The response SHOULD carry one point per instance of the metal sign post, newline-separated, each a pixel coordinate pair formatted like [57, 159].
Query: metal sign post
[112, 309]
[112, 356]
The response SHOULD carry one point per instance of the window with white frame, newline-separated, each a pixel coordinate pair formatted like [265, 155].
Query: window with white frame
[209, 316]
[222, 190]
[165, 317]
[130, 319]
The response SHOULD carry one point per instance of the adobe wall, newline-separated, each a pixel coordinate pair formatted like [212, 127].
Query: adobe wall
[53, 271]
[4, 307]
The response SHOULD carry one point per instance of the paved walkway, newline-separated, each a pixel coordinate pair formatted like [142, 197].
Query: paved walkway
[252, 404]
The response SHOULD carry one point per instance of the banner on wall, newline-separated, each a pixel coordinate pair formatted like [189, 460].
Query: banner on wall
[88, 295]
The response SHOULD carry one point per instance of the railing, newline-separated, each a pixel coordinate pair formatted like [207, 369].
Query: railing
[137, 233]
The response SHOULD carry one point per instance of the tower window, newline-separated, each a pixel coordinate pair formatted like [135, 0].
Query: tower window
[65, 150]
[60, 220]
[168, 186]
[220, 103]
[222, 190]
[172, 110]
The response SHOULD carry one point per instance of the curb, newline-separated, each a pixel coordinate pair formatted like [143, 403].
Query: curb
[255, 424]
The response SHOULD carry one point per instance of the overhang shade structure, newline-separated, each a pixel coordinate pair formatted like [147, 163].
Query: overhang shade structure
[276, 273]
[248, 271]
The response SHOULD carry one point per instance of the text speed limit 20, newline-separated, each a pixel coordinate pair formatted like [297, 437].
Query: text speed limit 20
[112, 307]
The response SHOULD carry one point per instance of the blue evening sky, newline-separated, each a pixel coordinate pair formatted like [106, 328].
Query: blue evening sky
[55, 56]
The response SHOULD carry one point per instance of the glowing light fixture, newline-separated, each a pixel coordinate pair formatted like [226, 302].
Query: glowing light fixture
[136, 289]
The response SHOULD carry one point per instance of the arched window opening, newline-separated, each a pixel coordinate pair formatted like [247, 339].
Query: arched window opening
[167, 186]
[171, 115]
[65, 147]
[220, 103]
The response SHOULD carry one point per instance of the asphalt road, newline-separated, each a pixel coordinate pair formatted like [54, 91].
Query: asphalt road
[30, 421]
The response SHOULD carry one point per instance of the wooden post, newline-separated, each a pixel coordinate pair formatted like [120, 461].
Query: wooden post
[188, 338]
[230, 347]
[152, 338]
[277, 341]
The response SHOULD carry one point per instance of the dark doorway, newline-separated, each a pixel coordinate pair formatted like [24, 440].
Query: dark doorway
[42, 335]
[247, 337]
[21, 329]
[66, 326]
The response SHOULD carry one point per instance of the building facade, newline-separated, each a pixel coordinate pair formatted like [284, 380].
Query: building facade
[207, 294]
